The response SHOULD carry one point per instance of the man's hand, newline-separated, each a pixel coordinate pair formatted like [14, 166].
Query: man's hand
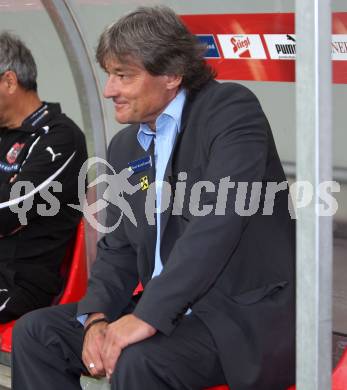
[128, 330]
[93, 344]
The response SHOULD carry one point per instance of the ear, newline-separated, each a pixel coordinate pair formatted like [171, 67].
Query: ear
[11, 81]
[173, 81]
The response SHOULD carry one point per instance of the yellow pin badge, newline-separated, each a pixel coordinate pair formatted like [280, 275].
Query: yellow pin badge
[144, 183]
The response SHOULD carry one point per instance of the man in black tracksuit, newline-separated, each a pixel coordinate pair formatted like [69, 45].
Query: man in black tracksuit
[41, 153]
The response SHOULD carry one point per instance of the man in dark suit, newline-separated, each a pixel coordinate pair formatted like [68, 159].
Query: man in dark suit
[216, 260]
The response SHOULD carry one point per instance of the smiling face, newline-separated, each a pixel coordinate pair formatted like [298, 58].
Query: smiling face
[137, 95]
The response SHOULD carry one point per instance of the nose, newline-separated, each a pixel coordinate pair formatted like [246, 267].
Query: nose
[111, 90]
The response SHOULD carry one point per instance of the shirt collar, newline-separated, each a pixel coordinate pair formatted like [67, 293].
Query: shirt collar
[38, 118]
[173, 110]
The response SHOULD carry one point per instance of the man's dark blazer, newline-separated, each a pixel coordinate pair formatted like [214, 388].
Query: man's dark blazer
[235, 272]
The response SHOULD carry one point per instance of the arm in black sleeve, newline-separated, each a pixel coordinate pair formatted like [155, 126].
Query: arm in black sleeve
[114, 273]
[49, 159]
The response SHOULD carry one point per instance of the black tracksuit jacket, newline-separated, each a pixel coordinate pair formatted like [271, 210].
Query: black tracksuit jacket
[48, 146]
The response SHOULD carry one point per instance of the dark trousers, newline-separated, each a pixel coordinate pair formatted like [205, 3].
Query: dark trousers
[17, 297]
[47, 347]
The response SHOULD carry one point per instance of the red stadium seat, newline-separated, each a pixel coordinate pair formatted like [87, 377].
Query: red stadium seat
[138, 289]
[340, 373]
[339, 380]
[74, 272]
[6, 336]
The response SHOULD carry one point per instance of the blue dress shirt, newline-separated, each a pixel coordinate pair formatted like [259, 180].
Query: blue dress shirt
[167, 127]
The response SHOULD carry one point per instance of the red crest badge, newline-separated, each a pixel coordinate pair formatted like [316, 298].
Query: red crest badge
[13, 153]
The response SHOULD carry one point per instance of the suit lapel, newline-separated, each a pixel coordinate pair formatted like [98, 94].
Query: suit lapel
[137, 201]
[150, 230]
[165, 216]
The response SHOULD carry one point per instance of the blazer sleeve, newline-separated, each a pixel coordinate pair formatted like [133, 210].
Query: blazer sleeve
[236, 140]
[114, 273]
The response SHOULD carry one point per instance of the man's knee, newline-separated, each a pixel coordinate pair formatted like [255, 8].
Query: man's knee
[133, 360]
[29, 325]
[144, 366]
[130, 358]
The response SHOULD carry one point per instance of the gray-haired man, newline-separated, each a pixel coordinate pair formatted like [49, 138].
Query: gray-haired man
[38, 146]
[218, 296]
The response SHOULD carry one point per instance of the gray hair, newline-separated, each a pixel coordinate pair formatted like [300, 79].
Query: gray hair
[15, 56]
[157, 38]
